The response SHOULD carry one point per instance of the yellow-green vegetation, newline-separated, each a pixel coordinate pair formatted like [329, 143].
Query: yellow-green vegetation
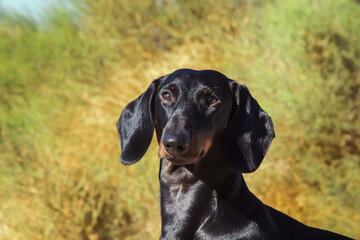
[65, 80]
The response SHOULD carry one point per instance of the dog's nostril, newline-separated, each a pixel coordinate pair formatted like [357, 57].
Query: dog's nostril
[181, 147]
[175, 144]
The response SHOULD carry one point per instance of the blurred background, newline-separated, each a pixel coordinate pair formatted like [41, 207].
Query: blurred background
[68, 68]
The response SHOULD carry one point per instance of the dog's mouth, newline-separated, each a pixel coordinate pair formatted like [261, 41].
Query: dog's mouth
[185, 159]
[189, 157]
[182, 161]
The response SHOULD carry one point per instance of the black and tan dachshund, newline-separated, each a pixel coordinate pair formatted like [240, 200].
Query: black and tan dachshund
[210, 130]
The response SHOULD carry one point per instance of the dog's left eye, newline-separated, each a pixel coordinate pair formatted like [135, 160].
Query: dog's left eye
[212, 100]
[167, 96]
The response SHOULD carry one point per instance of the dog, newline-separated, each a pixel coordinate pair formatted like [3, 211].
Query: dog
[210, 130]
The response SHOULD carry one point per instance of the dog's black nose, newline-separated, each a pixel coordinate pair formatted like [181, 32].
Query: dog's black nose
[176, 144]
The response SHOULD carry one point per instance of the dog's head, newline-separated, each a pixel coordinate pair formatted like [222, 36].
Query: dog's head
[192, 110]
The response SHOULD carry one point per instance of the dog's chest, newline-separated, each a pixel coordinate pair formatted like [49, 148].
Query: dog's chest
[195, 212]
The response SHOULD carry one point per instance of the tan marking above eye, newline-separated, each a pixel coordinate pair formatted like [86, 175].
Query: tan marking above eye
[172, 87]
[205, 91]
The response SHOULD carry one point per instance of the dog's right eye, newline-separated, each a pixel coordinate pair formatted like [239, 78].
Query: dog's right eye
[212, 100]
[166, 96]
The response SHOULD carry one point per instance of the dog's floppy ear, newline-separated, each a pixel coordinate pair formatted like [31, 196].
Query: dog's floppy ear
[136, 126]
[249, 133]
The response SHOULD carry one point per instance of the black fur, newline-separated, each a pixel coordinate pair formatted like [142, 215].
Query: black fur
[210, 130]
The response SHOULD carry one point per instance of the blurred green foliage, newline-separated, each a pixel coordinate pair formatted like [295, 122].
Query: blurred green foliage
[64, 81]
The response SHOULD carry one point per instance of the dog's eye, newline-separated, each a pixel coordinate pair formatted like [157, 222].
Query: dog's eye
[167, 96]
[211, 100]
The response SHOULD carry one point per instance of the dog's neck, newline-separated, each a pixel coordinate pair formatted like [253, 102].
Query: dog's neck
[195, 190]
[228, 184]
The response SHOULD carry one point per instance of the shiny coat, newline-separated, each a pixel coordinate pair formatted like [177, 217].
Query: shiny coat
[210, 131]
